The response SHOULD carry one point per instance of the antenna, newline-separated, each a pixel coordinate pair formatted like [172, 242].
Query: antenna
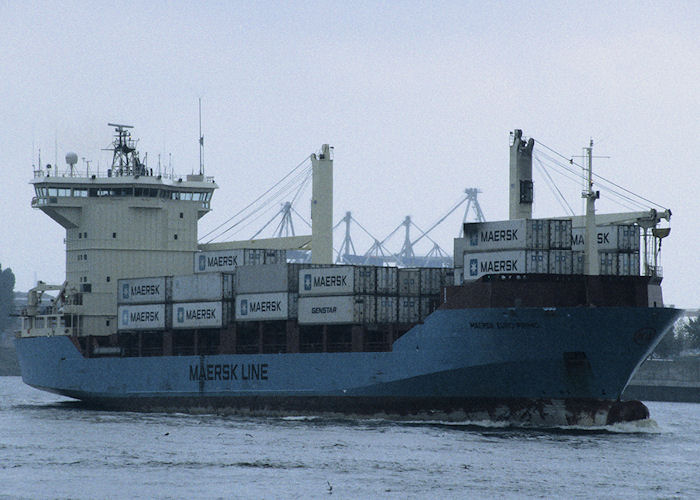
[201, 139]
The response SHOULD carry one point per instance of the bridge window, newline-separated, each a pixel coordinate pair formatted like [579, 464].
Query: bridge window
[80, 193]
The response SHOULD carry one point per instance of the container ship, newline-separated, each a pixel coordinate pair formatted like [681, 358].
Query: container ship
[539, 320]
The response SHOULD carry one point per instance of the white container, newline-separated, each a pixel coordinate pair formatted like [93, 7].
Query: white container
[622, 237]
[219, 261]
[561, 262]
[605, 235]
[387, 308]
[264, 306]
[337, 280]
[198, 315]
[409, 309]
[340, 309]
[142, 290]
[506, 262]
[387, 280]
[141, 317]
[517, 234]
[202, 287]
[409, 282]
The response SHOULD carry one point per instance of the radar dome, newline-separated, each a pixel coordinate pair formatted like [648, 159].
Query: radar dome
[71, 158]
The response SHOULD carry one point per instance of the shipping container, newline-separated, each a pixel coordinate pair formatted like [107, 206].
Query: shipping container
[273, 256]
[199, 315]
[265, 306]
[608, 263]
[202, 287]
[218, 261]
[409, 309]
[623, 237]
[387, 308]
[339, 309]
[266, 278]
[507, 262]
[143, 290]
[387, 280]
[461, 246]
[253, 256]
[409, 282]
[517, 234]
[561, 262]
[337, 280]
[628, 264]
[578, 259]
[628, 237]
[428, 305]
[560, 234]
[433, 279]
[141, 317]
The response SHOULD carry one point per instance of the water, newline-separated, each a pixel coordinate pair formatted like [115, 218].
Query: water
[51, 448]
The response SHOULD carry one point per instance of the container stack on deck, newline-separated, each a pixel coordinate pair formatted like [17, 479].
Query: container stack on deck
[522, 246]
[542, 246]
[257, 302]
[618, 249]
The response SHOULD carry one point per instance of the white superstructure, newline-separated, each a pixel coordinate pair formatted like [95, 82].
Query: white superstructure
[128, 223]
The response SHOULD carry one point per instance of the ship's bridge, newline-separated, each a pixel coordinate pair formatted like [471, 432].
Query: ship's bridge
[70, 190]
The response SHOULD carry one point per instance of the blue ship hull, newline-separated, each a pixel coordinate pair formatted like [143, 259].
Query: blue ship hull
[457, 359]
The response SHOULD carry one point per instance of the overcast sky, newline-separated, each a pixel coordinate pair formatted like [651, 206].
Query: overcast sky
[417, 99]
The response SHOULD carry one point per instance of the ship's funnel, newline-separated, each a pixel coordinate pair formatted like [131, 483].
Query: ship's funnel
[521, 194]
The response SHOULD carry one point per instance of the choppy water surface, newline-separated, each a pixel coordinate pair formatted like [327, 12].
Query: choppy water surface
[51, 448]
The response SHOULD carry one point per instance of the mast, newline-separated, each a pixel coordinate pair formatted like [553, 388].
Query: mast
[591, 262]
[201, 139]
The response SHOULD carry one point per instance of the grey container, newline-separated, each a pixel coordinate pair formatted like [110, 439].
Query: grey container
[409, 282]
[628, 237]
[387, 308]
[409, 309]
[628, 264]
[560, 234]
[266, 278]
[561, 262]
[428, 305]
[275, 256]
[202, 287]
[433, 279]
[577, 259]
[387, 280]
[608, 263]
